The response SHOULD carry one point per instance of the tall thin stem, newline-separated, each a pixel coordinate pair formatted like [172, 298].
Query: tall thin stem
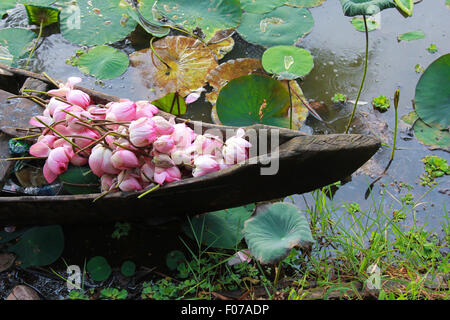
[35, 44]
[364, 75]
[396, 99]
[290, 104]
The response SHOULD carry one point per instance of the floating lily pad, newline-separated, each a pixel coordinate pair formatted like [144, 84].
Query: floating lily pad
[80, 180]
[148, 12]
[432, 136]
[38, 14]
[282, 26]
[170, 104]
[358, 23]
[128, 268]
[202, 16]
[39, 246]
[220, 229]
[103, 62]
[272, 234]
[221, 48]
[405, 6]
[410, 118]
[175, 258]
[253, 99]
[95, 22]
[432, 98]
[287, 62]
[14, 44]
[410, 36]
[189, 61]
[260, 6]
[98, 268]
[304, 3]
[365, 7]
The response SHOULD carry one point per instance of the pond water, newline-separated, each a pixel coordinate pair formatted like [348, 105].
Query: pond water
[338, 51]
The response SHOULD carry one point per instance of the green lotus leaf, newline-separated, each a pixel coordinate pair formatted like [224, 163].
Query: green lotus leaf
[39, 246]
[432, 136]
[268, 102]
[95, 22]
[103, 62]
[128, 268]
[37, 2]
[80, 180]
[175, 258]
[260, 6]
[271, 234]
[432, 97]
[148, 20]
[282, 26]
[14, 44]
[38, 14]
[98, 268]
[220, 229]
[6, 5]
[410, 36]
[172, 104]
[304, 3]
[358, 23]
[287, 62]
[405, 6]
[410, 118]
[206, 16]
[353, 8]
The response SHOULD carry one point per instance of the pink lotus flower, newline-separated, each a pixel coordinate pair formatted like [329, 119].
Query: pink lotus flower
[182, 135]
[64, 89]
[96, 112]
[128, 182]
[181, 156]
[57, 163]
[145, 109]
[164, 144]
[79, 98]
[193, 96]
[162, 160]
[88, 140]
[207, 144]
[162, 126]
[204, 164]
[100, 161]
[55, 103]
[236, 148]
[142, 132]
[121, 111]
[78, 161]
[47, 120]
[167, 175]
[147, 171]
[108, 182]
[124, 159]
[43, 146]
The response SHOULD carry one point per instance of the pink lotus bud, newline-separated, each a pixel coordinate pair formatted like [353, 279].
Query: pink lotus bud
[192, 97]
[181, 156]
[121, 111]
[78, 161]
[55, 164]
[124, 159]
[204, 164]
[236, 148]
[142, 132]
[47, 120]
[79, 98]
[128, 182]
[163, 161]
[147, 171]
[97, 113]
[88, 140]
[167, 175]
[164, 144]
[108, 182]
[55, 103]
[207, 144]
[100, 161]
[162, 126]
[145, 109]
[64, 89]
[43, 146]
[182, 135]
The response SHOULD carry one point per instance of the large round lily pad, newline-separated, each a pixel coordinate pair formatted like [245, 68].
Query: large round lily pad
[205, 17]
[287, 62]
[304, 3]
[220, 229]
[39, 246]
[99, 268]
[432, 97]
[95, 22]
[14, 44]
[189, 61]
[282, 26]
[365, 7]
[272, 234]
[261, 6]
[103, 62]
[432, 136]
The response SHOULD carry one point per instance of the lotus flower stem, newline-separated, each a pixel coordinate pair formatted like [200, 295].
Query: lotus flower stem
[157, 55]
[54, 82]
[112, 133]
[313, 112]
[36, 42]
[364, 74]
[26, 137]
[396, 99]
[277, 275]
[48, 94]
[148, 191]
[22, 158]
[290, 104]
[32, 98]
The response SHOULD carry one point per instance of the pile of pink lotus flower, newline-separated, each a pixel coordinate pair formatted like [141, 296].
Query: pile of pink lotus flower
[125, 143]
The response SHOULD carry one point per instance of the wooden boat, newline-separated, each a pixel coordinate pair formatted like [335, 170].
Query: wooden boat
[306, 162]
